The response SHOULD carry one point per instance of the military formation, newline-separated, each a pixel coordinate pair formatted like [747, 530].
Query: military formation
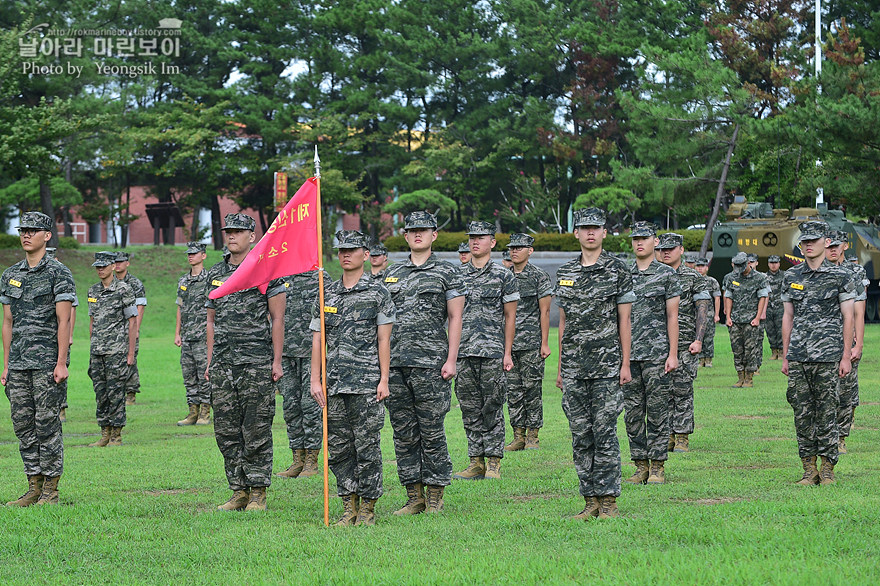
[404, 336]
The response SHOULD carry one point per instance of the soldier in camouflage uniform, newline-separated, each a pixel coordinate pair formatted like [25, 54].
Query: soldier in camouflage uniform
[123, 260]
[745, 298]
[464, 253]
[378, 261]
[753, 264]
[114, 331]
[595, 296]
[708, 351]
[693, 312]
[245, 333]
[773, 323]
[817, 336]
[849, 385]
[530, 346]
[190, 335]
[358, 317]
[426, 292]
[487, 334]
[301, 413]
[506, 261]
[36, 294]
[690, 260]
[62, 416]
[654, 356]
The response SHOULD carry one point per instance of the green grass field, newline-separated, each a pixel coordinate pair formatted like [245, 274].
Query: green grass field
[730, 513]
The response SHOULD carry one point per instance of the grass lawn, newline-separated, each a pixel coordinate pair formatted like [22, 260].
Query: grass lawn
[729, 513]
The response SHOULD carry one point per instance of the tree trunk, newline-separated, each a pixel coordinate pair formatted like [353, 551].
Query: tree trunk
[47, 207]
[216, 224]
[719, 193]
[65, 211]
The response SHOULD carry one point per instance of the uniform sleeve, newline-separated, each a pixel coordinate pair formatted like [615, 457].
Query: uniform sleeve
[315, 324]
[75, 301]
[625, 292]
[140, 292]
[4, 298]
[129, 306]
[276, 287]
[509, 288]
[455, 285]
[209, 303]
[846, 289]
[545, 285]
[673, 286]
[764, 289]
[180, 285]
[386, 314]
[701, 288]
[786, 285]
[65, 289]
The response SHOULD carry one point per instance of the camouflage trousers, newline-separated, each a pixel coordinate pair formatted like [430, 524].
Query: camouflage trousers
[354, 423]
[646, 410]
[773, 327]
[524, 402]
[481, 388]
[746, 342]
[109, 373]
[301, 412]
[133, 382]
[243, 398]
[592, 407]
[193, 362]
[35, 401]
[849, 398]
[708, 350]
[813, 394]
[681, 397]
[417, 407]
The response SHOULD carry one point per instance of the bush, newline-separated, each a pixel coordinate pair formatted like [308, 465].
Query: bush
[68, 242]
[9, 241]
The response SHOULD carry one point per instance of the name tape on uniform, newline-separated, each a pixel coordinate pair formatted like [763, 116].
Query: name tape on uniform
[183, 287]
[797, 286]
[92, 300]
[735, 283]
[328, 309]
[14, 283]
[392, 279]
[566, 283]
[216, 283]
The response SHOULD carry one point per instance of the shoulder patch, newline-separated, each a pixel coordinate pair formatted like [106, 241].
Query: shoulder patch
[797, 286]
[14, 283]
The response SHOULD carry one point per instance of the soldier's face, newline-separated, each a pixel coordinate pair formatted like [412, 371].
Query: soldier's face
[833, 253]
[520, 254]
[104, 272]
[481, 245]
[352, 259]
[773, 266]
[464, 257]
[196, 258]
[32, 239]
[120, 266]
[378, 261]
[702, 269]
[671, 256]
[420, 239]
[643, 246]
[813, 248]
[590, 237]
[238, 241]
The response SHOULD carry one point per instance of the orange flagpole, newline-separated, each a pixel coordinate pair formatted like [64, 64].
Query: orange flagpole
[323, 341]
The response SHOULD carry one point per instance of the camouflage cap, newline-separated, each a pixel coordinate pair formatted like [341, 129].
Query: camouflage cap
[348, 239]
[752, 257]
[239, 222]
[670, 240]
[852, 259]
[506, 255]
[690, 257]
[480, 229]
[464, 247]
[773, 258]
[589, 217]
[812, 230]
[35, 221]
[837, 237]
[702, 262]
[104, 259]
[50, 251]
[520, 240]
[195, 247]
[417, 220]
[122, 256]
[643, 230]
[740, 258]
[378, 250]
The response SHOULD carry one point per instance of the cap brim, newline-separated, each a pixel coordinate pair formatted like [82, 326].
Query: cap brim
[101, 263]
[641, 235]
[421, 227]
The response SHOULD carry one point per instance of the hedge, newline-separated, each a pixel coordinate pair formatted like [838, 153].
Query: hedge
[449, 241]
[12, 241]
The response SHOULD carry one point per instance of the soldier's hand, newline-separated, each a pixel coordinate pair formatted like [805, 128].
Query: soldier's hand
[785, 366]
[696, 347]
[59, 374]
[129, 360]
[545, 351]
[755, 322]
[625, 375]
[317, 392]
[728, 322]
[4, 376]
[845, 367]
[206, 374]
[717, 318]
[448, 371]
[671, 363]
[277, 371]
[177, 340]
[559, 381]
[382, 391]
[856, 353]
[507, 363]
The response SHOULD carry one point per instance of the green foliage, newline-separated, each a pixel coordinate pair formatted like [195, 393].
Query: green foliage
[25, 193]
[618, 202]
[68, 242]
[422, 199]
[9, 241]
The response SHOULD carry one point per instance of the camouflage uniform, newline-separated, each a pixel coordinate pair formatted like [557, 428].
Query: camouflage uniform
[773, 324]
[240, 374]
[34, 396]
[590, 361]
[379, 250]
[133, 383]
[110, 308]
[708, 350]
[420, 398]
[481, 386]
[301, 413]
[849, 385]
[745, 291]
[524, 402]
[814, 352]
[194, 344]
[646, 397]
[354, 416]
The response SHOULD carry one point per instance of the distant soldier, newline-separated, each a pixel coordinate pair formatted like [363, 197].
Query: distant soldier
[123, 260]
[506, 260]
[753, 265]
[745, 297]
[113, 329]
[595, 296]
[487, 334]
[50, 253]
[773, 323]
[530, 346]
[693, 312]
[427, 292]
[817, 338]
[190, 335]
[690, 260]
[301, 413]
[849, 385]
[378, 261]
[36, 294]
[654, 356]
[464, 253]
[358, 317]
[245, 333]
[708, 351]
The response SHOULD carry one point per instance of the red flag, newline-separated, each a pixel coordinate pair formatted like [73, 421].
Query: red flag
[290, 246]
